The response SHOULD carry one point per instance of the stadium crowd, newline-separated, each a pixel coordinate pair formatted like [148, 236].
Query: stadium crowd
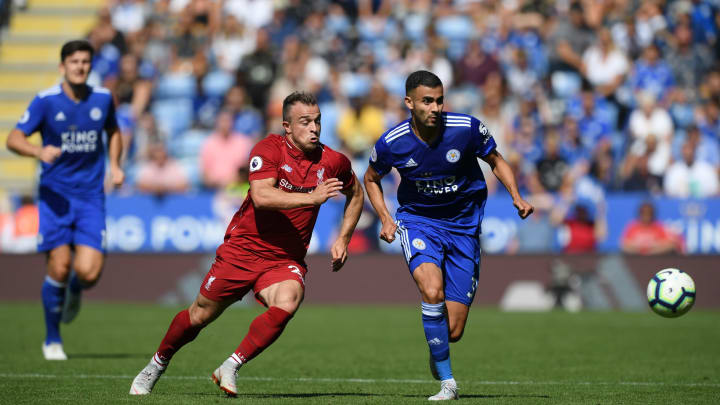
[582, 97]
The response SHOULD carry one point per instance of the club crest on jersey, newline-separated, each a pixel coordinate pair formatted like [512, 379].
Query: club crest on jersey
[320, 175]
[287, 168]
[95, 114]
[373, 155]
[419, 244]
[452, 156]
[255, 163]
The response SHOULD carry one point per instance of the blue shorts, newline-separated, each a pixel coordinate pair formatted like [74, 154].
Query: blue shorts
[456, 254]
[70, 220]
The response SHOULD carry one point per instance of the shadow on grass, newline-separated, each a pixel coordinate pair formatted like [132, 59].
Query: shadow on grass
[107, 355]
[360, 394]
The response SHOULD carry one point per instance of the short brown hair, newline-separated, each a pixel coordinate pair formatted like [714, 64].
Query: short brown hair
[296, 97]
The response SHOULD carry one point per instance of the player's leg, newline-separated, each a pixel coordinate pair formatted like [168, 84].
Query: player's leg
[462, 269]
[87, 267]
[89, 241]
[281, 290]
[54, 238]
[53, 296]
[183, 329]
[424, 252]
[457, 314]
[217, 292]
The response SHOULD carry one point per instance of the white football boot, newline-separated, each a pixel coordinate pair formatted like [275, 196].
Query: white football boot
[145, 381]
[71, 307]
[53, 351]
[225, 376]
[448, 391]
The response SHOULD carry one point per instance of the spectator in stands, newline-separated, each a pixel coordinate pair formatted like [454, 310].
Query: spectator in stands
[651, 126]
[232, 43]
[604, 65]
[362, 122]
[648, 236]
[552, 169]
[130, 88]
[475, 66]
[569, 39]
[707, 148]
[635, 172]
[690, 177]
[224, 152]
[160, 174]
[689, 61]
[246, 119]
[258, 70]
[652, 74]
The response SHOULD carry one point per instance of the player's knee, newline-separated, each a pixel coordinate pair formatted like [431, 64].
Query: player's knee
[88, 273]
[59, 269]
[200, 316]
[434, 295]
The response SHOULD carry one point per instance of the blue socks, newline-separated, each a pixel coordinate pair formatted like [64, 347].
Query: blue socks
[436, 332]
[53, 297]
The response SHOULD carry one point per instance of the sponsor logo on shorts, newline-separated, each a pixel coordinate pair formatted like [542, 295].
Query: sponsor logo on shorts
[296, 270]
[419, 244]
[209, 282]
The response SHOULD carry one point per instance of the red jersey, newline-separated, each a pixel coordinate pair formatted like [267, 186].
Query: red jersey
[647, 236]
[282, 234]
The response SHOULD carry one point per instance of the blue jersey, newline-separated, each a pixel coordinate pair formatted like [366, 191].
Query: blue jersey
[77, 129]
[441, 184]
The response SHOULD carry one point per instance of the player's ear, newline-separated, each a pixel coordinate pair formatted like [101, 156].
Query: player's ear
[409, 103]
[286, 125]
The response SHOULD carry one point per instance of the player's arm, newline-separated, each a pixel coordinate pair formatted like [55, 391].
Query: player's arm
[115, 149]
[265, 196]
[18, 143]
[504, 173]
[353, 208]
[377, 199]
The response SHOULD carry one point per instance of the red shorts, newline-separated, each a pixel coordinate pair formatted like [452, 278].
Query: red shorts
[226, 280]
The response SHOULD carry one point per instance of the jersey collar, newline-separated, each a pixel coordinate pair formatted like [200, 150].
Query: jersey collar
[296, 153]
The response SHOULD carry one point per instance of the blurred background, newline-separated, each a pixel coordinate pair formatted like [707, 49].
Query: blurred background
[608, 111]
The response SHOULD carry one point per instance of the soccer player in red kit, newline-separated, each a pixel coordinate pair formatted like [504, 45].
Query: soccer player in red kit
[266, 241]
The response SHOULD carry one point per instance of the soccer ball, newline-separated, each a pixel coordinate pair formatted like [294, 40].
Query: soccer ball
[671, 293]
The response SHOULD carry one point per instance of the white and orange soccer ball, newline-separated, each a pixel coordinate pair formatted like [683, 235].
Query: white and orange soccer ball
[671, 293]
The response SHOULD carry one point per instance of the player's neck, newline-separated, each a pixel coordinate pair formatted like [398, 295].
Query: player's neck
[75, 92]
[425, 133]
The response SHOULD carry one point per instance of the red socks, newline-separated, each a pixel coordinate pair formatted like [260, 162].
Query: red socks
[264, 330]
[178, 335]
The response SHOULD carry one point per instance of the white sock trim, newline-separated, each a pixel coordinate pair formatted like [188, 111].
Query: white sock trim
[234, 357]
[54, 283]
[159, 361]
[433, 310]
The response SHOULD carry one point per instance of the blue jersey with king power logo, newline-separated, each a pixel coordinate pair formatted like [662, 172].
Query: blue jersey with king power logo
[76, 128]
[442, 183]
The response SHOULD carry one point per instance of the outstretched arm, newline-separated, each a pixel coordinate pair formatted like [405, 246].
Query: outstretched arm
[504, 173]
[353, 209]
[377, 199]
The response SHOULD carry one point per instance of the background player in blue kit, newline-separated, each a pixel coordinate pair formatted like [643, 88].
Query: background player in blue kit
[71, 118]
[442, 197]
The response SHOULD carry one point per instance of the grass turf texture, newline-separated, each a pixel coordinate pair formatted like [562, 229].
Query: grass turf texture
[370, 355]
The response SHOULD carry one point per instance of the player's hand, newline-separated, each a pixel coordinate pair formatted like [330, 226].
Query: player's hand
[49, 153]
[117, 176]
[524, 208]
[387, 232]
[329, 189]
[339, 254]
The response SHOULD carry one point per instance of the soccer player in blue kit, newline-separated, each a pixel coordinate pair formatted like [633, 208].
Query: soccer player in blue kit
[71, 118]
[442, 197]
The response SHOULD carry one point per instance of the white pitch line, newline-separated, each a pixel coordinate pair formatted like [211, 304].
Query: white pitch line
[358, 380]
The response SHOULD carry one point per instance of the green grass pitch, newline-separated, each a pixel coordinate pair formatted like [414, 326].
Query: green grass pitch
[366, 354]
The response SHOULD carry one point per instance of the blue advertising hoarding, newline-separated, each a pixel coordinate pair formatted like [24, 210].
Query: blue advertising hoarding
[196, 223]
